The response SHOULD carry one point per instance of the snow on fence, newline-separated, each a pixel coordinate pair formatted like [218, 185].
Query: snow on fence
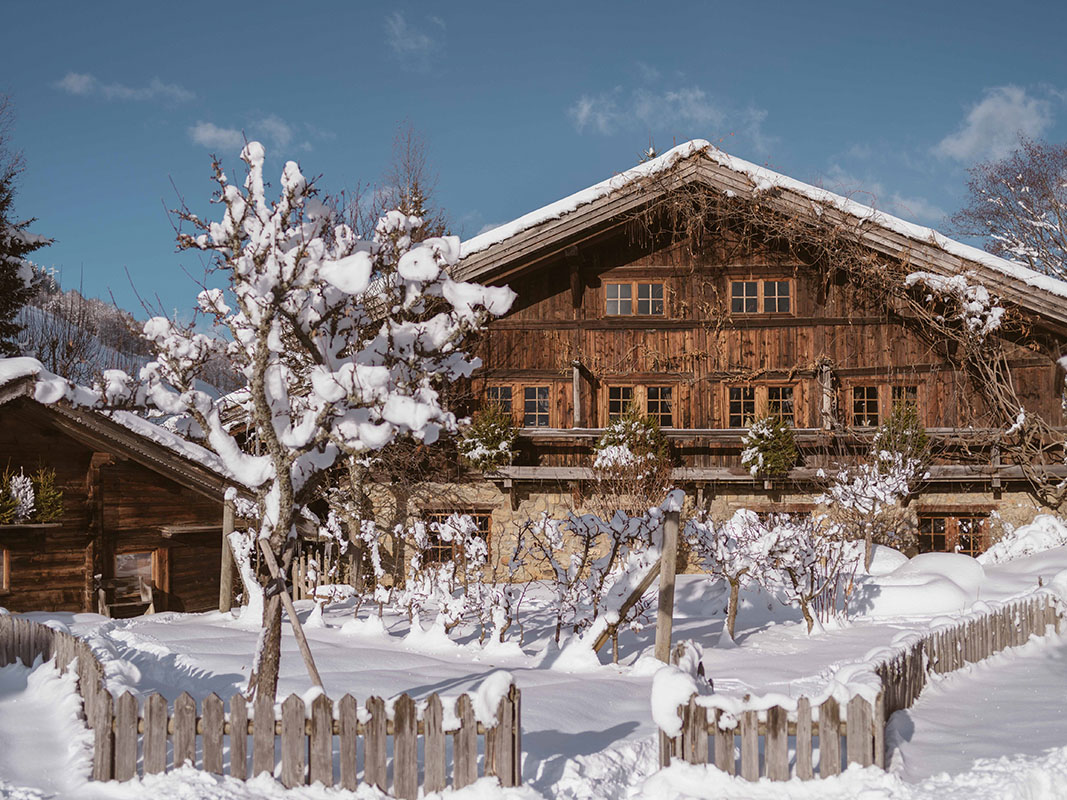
[779, 742]
[317, 741]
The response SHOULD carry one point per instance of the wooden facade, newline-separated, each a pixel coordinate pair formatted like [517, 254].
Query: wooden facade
[134, 512]
[709, 337]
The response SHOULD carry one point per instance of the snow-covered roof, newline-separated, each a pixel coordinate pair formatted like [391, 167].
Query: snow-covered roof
[50, 389]
[762, 180]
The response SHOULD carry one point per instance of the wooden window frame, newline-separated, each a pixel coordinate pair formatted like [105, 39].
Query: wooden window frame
[658, 415]
[902, 388]
[761, 296]
[952, 528]
[442, 514]
[160, 564]
[639, 397]
[510, 388]
[886, 399]
[5, 571]
[518, 399]
[548, 412]
[762, 401]
[635, 298]
[878, 399]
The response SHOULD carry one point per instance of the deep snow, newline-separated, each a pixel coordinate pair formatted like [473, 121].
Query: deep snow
[588, 730]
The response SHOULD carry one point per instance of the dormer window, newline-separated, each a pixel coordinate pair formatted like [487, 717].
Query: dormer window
[761, 297]
[634, 298]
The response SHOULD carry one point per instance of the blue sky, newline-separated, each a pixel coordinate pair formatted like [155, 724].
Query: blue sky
[120, 104]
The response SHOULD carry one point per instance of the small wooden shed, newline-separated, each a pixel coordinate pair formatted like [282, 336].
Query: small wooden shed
[142, 512]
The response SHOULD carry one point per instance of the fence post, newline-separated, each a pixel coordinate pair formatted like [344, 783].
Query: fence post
[104, 740]
[374, 744]
[858, 732]
[695, 733]
[749, 746]
[803, 740]
[214, 721]
[348, 739]
[321, 749]
[665, 608]
[829, 738]
[464, 745]
[776, 746]
[406, 747]
[433, 745]
[126, 737]
[238, 737]
[263, 735]
[294, 742]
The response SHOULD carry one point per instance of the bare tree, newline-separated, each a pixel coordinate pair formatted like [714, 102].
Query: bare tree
[1019, 204]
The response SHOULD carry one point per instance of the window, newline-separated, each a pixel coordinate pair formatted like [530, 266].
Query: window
[659, 405]
[535, 407]
[776, 297]
[906, 395]
[745, 404]
[932, 535]
[440, 551]
[780, 403]
[744, 297]
[650, 299]
[959, 532]
[620, 299]
[752, 297]
[742, 406]
[619, 399]
[500, 396]
[865, 406]
[5, 571]
[134, 574]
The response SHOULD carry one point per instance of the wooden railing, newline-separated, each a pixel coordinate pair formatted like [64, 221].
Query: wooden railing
[762, 734]
[315, 744]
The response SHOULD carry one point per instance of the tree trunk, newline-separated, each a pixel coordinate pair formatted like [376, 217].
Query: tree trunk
[731, 611]
[264, 677]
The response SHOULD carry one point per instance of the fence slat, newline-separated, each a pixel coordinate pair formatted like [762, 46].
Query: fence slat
[858, 732]
[464, 745]
[434, 745]
[374, 766]
[321, 742]
[263, 735]
[695, 735]
[349, 737]
[238, 737]
[294, 742]
[829, 738]
[776, 747]
[126, 737]
[104, 740]
[405, 749]
[213, 722]
[184, 730]
[509, 757]
[724, 745]
[803, 740]
[878, 730]
[155, 734]
[749, 746]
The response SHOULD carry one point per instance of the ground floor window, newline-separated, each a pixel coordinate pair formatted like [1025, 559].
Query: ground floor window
[439, 551]
[959, 533]
[134, 575]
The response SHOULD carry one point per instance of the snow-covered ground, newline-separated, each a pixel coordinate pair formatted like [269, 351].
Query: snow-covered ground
[588, 730]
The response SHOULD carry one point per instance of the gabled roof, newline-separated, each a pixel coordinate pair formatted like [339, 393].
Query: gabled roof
[71, 408]
[539, 234]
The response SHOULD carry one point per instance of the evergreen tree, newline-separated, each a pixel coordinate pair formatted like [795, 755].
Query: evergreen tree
[16, 242]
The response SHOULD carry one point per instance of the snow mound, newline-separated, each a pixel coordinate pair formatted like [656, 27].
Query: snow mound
[1044, 533]
[885, 560]
[929, 584]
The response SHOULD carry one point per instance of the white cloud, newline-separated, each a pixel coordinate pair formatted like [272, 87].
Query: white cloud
[276, 130]
[688, 106]
[212, 136]
[992, 126]
[412, 46]
[84, 84]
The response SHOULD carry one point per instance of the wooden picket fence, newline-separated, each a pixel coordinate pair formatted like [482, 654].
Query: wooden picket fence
[134, 739]
[779, 743]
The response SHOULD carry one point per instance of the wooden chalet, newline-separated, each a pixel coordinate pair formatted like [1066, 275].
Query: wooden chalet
[614, 308]
[141, 527]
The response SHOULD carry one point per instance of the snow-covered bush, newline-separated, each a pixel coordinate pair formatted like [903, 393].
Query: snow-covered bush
[632, 466]
[488, 443]
[970, 303]
[770, 448]
[1044, 533]
[866, 500]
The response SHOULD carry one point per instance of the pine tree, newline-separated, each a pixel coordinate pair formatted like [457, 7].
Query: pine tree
[16, 242]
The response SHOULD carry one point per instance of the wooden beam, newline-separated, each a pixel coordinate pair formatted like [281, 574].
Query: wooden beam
[665, 608]
[576, 393]
[227, 568]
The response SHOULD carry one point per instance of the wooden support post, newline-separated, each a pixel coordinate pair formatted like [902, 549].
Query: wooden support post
[665, 611]
[227, 569]
[294, 620]
[576, 394]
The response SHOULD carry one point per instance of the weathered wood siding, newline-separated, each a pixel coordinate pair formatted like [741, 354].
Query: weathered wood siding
[111, 505]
